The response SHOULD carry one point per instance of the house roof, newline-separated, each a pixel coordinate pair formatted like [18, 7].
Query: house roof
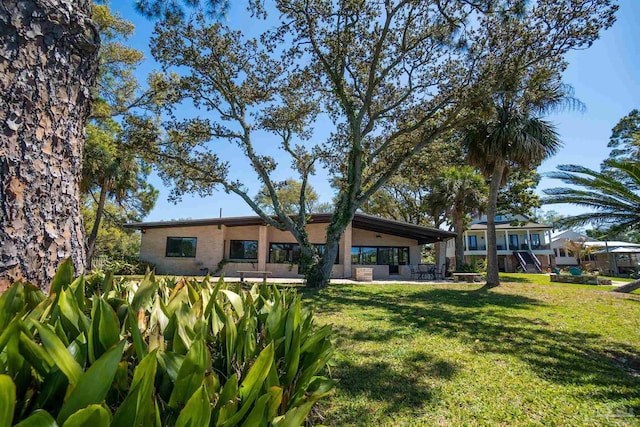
[619, 250]
[610, 244]
[571, 235]
[508, 226]
[362, 221]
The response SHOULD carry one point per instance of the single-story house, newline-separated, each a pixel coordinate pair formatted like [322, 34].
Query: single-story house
[230, 245]
[521, 244]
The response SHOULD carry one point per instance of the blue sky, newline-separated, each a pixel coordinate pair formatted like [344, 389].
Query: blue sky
[605, 78]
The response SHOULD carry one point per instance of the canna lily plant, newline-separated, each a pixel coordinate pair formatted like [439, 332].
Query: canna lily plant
[158, 353]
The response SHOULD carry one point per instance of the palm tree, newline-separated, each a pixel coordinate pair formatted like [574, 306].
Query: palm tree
[612, 195]
[461, 192]
[514, 136]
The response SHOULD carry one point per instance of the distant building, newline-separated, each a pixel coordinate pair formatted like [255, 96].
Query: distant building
[522, 244]
[610, 257]
[562, 254]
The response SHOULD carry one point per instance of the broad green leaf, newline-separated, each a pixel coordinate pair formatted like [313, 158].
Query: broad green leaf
[36, 355]
[293, 320]
[191, 373]
[10, 331]
[107, 283]
[294, 417]
[256, 417]
[197, 411]
[71, 312]
[59, 353]
[138, 342]
[171, 363]
[320, 387]
[158, 314]
[292, 358]
[257, 373]
[94, 384]
[138, 409]
[7, 400]
[108, 327]
[231, 335]
[252, 384]
[77, 290]
[39, 418]
[52, 389]
[315, 338]
[227, 404]
[91, 416]
[274, 403]
[148, 287]
[11, 303]
[63, 277]
[235, 300]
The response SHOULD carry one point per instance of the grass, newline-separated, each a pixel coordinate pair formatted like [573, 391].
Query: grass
[528, 353]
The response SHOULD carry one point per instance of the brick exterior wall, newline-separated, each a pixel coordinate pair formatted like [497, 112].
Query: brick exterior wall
[213, 246]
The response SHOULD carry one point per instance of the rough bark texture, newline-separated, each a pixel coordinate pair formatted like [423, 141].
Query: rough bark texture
[48, 64]
[493, 278]
[459, 230]
[320, 276]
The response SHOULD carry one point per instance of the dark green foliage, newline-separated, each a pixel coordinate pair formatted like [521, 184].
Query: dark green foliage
[613, 195]
[158, 353]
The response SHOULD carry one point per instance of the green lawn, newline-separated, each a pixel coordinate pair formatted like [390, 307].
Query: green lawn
[527, 353]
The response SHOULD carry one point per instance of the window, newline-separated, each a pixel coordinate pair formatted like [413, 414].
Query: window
[283, 253]
[562, 252]
[386, 255]
[289, 253]
[473, 243]
[320, 248]
[181, 247]
[243, 249]
[535, 241]
[513, 242]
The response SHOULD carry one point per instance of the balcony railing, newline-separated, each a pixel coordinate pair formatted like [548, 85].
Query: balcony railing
[510, 248]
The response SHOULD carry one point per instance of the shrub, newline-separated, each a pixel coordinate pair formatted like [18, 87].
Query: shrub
[127, 266]
[147, 354]
[468, 268]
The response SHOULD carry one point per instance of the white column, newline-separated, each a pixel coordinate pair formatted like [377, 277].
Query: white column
[485, 241]
[262, 247]
[466, 242]
[506, 239]
[528, 239]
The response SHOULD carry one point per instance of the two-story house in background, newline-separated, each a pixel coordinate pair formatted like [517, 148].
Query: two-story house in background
[522, 244]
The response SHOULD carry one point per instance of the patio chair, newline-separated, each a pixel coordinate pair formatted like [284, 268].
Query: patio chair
[429, 272]
[416, 273]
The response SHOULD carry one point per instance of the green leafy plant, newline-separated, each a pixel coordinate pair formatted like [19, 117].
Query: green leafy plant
[149, 354]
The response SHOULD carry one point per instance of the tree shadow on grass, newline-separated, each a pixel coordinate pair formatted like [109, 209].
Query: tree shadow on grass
[515, 279]
[393, 389]
[491, 322]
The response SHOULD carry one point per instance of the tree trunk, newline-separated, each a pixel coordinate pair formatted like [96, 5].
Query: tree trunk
[493, 278]
[91, 240]
[319, 276]
[628, 287]
[48, 67]
[440, 249]
[458, 227]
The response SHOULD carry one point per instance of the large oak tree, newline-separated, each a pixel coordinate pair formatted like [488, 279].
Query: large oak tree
[392, 77]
